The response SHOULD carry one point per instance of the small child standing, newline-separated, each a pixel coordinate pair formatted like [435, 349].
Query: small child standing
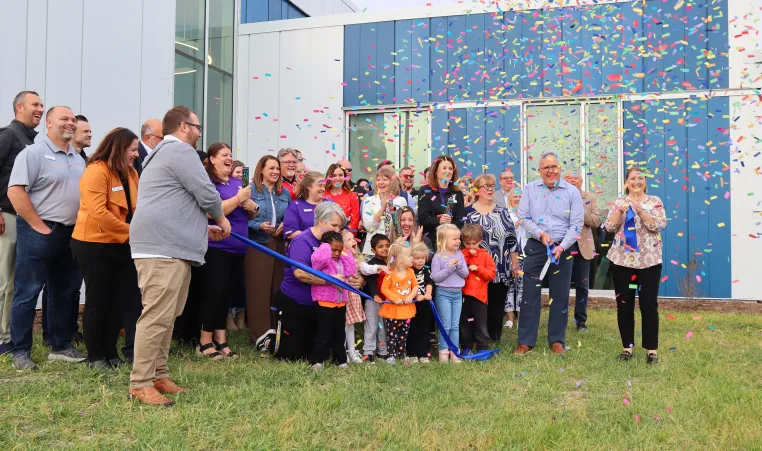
[400, 287]
[331, 309]
[374, 336]
[418, 344]
[482, 270]
[355, 312]
[449, 271]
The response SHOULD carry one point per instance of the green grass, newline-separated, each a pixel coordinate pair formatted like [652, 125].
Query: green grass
[705, 394]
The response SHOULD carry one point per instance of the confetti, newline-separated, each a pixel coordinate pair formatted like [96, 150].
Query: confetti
[689, 335]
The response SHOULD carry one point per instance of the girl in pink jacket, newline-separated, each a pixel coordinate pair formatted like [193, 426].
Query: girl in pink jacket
[332, 259]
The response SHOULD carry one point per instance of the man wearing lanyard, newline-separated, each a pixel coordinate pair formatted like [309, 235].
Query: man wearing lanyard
[553, 217]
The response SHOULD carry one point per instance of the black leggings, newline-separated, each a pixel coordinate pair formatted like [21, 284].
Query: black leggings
[496, 294]
[396, 336]
[647, 280]
[111, 289]
[330, 335]
[418, 339]
[297, 325]
[218, 278]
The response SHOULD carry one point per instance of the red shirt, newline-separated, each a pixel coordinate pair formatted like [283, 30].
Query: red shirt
[348, 202]
[477, 281]
[290, 186]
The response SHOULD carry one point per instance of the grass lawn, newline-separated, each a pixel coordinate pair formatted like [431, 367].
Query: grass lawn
[705, 394]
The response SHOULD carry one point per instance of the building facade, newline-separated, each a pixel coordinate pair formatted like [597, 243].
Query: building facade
[674, 88]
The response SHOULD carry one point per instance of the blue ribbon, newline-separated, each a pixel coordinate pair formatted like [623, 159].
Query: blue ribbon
[630, 236]
[305, 268]
[481, 355]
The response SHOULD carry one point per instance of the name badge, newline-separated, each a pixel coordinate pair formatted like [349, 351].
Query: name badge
[50, 157]
[648, 207]
[308, 210]
[117, 188]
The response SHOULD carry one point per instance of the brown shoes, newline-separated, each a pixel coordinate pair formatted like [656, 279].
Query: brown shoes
[558, 348]
[165, 385]
[150, 396]
[521, 349]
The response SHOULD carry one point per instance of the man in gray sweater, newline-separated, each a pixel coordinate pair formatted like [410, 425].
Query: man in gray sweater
[168, 234]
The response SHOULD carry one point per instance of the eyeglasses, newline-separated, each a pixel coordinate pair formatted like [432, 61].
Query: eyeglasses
[550, 169]
[347, 170]
[157, 137]
[509, 179]
[289, 162]
[488, 187]
[407, 176]
[199, 127]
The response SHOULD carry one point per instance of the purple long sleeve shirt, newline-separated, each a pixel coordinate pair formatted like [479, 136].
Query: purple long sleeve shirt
[446, 275]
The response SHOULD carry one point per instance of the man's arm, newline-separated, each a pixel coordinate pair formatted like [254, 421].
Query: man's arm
[23, 205]
[592, 215]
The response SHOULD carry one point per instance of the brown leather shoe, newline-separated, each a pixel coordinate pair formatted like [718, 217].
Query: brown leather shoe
[150, 396]
[521, 349]
[165, 385]
[558, 348]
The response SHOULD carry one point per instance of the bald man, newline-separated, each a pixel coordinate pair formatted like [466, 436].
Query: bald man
[348, 167]
[150, 137]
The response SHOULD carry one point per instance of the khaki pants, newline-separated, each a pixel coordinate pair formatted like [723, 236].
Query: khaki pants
[164, 283]
[7, 265]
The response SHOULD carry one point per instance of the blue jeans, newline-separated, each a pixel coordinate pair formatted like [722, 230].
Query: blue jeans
[449, 303]
[40, 260]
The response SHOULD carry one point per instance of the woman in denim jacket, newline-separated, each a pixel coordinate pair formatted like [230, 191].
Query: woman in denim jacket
[264, 273]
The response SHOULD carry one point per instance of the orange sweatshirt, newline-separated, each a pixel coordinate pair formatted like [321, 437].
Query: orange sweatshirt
[393, 289]
[477, 281]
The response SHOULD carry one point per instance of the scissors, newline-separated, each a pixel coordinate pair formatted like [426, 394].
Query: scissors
[549, 249]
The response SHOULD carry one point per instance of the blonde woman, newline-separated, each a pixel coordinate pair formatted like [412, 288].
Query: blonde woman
[635, 256]
[516, 287]
[378, 210]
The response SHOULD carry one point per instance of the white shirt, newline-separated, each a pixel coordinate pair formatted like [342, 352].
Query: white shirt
[148, 149]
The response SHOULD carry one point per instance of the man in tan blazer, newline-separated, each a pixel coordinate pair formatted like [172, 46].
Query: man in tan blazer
[583, 250]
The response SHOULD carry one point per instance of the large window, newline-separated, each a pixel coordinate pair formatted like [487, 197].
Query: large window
[204, 65]
[585, 136]
[401, 137]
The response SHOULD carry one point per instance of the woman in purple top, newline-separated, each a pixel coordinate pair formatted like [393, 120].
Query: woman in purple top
[300, 214]
[213, 282]
[296, 318]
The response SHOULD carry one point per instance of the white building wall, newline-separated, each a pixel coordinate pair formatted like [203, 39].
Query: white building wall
[290, 94]
[112, 61]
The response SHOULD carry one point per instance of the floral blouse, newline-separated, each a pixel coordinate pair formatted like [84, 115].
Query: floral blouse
[649, 236]
[499, 238]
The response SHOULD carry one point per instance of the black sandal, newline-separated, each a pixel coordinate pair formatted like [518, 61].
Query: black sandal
[221, 346]
[625, 356]
[212, 355]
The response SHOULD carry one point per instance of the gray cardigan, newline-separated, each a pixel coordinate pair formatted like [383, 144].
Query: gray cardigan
[174, 195]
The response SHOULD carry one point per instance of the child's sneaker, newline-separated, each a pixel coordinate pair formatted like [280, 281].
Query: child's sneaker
[343, 366]
[444, 356]
[411, 359]
[354, 357]
[369, 358]
[453, 358]
[424, 360]
[508, 324]
[317, 367]
[391, 361]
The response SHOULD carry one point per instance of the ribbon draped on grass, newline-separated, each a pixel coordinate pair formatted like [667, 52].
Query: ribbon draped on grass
[303, 267]
[481, 355]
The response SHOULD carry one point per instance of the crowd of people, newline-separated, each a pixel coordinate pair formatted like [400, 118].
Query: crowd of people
[146, 222]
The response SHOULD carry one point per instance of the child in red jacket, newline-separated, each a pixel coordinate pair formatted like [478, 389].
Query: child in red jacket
[481, 271]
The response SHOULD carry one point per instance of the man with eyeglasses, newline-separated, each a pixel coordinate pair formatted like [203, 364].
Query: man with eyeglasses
[407, 177]
[348, 168]
[150, 137]
[553, 216]
[289, 160]
[507, 183]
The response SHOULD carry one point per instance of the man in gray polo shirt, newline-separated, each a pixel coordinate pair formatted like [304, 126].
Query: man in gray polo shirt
[44, 191]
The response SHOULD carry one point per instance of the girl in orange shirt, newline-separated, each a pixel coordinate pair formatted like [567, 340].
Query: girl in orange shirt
[400, 287]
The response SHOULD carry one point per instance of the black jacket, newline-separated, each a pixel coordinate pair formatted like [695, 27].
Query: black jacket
[431, 204]
[142, 154]
[13, 139]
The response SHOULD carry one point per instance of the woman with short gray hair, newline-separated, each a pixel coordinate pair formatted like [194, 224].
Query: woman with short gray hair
[296, 308]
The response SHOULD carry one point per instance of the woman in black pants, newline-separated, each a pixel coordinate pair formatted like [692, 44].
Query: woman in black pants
[213, 282]
[100, 244]
[635, 254]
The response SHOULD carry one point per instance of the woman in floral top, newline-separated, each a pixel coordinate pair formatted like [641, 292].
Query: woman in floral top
[635, 254]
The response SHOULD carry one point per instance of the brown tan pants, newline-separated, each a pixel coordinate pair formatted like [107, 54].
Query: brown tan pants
[7, 265]
[164, 283]
[263, 277]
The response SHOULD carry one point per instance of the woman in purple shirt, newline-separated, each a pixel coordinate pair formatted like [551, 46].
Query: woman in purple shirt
[300, 214]
[296, 317]
[213, 282]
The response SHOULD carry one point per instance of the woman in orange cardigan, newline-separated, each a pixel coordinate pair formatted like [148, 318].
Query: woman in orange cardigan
[100, 244]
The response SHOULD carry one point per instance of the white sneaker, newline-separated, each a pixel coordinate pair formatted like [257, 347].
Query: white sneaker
[354, 357]
[391, 361]
[317, 367]
[411, 359]
[343, 366]
[424, 360]
[508, 324]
